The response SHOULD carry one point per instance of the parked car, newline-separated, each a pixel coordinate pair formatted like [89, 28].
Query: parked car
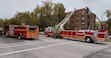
[1, 31]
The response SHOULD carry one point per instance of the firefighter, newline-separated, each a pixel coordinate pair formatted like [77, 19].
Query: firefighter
[56, 30]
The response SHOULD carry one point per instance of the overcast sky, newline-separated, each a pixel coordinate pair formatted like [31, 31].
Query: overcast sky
[8, 8]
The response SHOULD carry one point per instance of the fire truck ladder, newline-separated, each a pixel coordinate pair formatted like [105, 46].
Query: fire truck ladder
[63, 22]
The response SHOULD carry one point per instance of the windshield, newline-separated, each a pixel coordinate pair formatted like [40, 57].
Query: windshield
[32, 28]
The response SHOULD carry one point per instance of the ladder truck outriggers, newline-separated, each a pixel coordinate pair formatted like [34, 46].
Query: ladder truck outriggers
[87, 35]
[21, 31]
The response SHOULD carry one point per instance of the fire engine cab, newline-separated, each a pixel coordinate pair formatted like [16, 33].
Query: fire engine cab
[21, 31]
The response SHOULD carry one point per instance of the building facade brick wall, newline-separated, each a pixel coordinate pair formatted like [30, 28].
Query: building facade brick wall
[82, 19]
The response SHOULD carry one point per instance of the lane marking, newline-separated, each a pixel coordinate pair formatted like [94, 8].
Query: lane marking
[20, 45]
[9, 53]
[26, 44]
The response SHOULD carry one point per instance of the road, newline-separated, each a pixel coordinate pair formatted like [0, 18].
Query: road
[46, 47]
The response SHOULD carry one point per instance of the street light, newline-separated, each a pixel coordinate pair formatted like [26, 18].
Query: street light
[102, 16]
[57, 15]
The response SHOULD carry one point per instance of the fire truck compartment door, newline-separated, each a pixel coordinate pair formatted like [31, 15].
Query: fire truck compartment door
[11, 28]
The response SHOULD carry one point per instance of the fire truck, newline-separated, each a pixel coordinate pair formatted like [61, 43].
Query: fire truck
[87, 35]
[21, 31]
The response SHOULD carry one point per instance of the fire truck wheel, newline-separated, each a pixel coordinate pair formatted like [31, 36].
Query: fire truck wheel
[61, 37]
[88, 39]
[48, 35]
[19, 36]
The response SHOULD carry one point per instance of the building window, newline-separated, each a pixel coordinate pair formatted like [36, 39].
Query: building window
[88, 17]
[88, 24]
[83, 18]
[76, 20]
[72, 16]
[83, 22]
[76, 15]
[83, 12]
[83, 28]
[82, 15]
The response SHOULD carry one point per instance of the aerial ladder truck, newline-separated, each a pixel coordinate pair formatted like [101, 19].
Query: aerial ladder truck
[86, 35]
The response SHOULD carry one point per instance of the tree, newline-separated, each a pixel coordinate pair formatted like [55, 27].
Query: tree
[37, 12]
[23, 17]
[108, 12]
[1, 22]
[14, 21]
[43, 16]
[59, 12]
[33, 19]
[49, 14]
[6, 22]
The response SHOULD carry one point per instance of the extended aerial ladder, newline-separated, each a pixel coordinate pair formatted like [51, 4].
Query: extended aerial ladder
[64, 21]
[60, 26]
[54, 31]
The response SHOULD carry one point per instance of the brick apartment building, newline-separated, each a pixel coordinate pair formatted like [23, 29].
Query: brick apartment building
[82, 19]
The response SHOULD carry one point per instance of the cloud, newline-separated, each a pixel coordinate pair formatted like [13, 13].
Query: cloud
[8, 8]
[96, 6]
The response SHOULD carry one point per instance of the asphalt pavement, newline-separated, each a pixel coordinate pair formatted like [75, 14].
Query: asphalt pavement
[47, 47]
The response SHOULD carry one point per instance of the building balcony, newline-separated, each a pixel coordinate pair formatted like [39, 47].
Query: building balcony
[83, 23]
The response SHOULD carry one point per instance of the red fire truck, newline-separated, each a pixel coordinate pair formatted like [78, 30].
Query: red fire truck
[87, 35]
[21, 31]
